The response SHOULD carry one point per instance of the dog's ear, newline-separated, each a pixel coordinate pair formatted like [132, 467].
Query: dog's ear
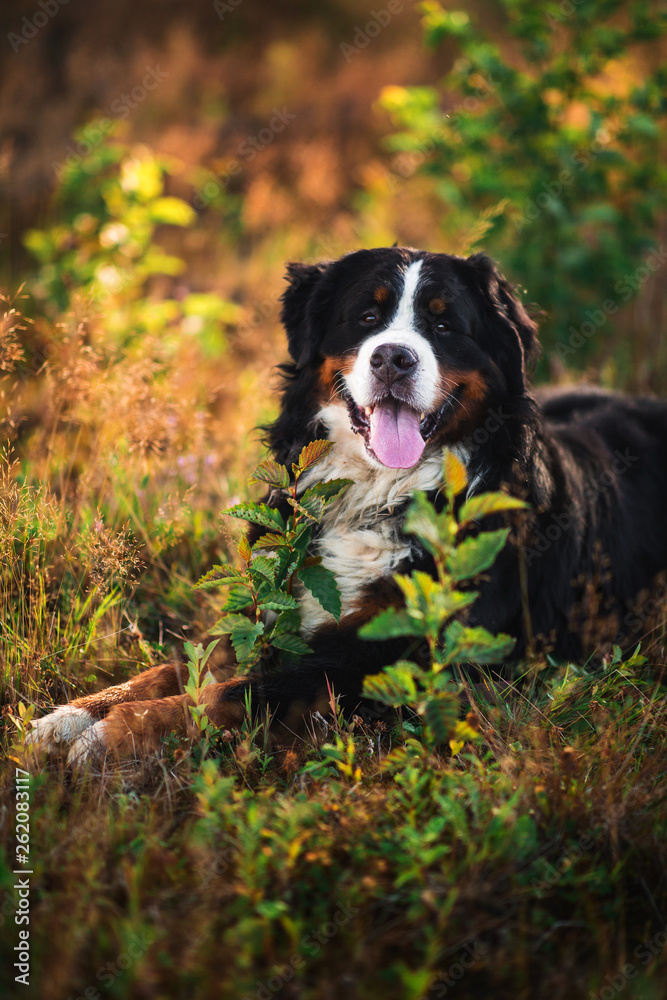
[303, 310]
[507, 305]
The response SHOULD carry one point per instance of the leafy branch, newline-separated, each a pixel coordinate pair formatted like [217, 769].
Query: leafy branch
[433, 606]
[277, 563]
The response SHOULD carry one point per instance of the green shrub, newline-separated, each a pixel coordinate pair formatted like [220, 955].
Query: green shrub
[548, 155]
[433, 607]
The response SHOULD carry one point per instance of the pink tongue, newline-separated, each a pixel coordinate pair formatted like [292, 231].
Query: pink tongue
[395, 436]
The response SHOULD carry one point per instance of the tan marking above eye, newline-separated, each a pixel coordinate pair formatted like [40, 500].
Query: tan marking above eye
[381, 294]
[437, 306]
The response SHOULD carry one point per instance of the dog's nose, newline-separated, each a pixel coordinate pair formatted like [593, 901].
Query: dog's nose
[392, 361]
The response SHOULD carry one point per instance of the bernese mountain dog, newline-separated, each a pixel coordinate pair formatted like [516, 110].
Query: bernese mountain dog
[398, 354]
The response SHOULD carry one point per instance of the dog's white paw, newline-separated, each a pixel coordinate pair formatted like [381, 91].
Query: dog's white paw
[61, 726]
[90, 745]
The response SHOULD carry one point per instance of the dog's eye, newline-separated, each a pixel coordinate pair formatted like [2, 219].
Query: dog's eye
[369, 318]
[441, 328]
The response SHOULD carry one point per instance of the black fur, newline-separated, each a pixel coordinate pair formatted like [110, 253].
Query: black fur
[592, 465]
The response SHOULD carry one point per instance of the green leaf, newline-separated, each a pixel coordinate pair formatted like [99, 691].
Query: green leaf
[313, 511]
[271, 472]
[219, 576]
[269, 541]
[288, 562]
[395, 686]
[290, 643]
[271, 909]
[474, 555]
[277, 601]
[301, 538]
[239, 597]
[312, 454]
[432, 529]
[264, 568]
[191, 651]
[431, 601]
[191, 689]
[258, 513]
[488, 503]
[441, 713]
[389, 624]
[225, 624]
[321, 582]
[244, 635]
[465, 643]
[328, 491]
[313, 503]
[287, 621]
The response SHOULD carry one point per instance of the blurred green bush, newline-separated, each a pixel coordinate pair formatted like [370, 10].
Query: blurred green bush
[549, 152]
[103, 247]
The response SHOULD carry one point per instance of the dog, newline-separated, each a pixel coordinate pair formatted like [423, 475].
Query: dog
[396, 355]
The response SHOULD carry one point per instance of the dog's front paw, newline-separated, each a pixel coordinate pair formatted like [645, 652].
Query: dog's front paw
[92, 745]
[60, 727]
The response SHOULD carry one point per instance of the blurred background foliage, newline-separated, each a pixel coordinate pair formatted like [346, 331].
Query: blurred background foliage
[159, 164]
[551, 145]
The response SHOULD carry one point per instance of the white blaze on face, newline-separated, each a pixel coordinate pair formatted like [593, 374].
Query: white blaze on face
[401, 331]
[395, 436]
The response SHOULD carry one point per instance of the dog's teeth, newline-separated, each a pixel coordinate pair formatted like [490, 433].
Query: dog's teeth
[368, 410]
[422, 416]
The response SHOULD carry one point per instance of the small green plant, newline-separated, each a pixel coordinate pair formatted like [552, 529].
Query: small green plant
[22, 723]
[198, 680]
[277, 563]
[433, 607]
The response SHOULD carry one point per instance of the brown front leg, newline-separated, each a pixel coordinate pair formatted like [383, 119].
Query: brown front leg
[66, 723]
[135, 729]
